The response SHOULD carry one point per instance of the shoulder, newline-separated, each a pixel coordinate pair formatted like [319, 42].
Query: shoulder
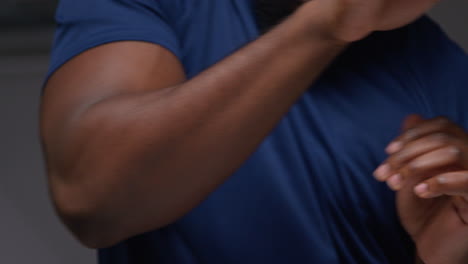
[432, 53]
[441, 66]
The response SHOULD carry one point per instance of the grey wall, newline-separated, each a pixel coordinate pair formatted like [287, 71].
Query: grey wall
[29, 230]
[452, 15]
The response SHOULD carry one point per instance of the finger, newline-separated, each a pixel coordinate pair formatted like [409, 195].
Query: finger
[412, 121]
[423, 128]
[426, 164]
[409, 122]
[415, 149]
[450, 183]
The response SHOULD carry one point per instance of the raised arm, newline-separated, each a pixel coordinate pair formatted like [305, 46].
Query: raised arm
[131, 145]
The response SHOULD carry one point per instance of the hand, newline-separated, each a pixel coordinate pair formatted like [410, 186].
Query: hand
[354, 19]
[428, 166]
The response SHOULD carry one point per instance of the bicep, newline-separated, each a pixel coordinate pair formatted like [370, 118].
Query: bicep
[103, 72]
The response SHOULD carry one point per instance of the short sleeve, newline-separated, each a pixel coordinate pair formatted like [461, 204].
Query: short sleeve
[84, 24]
[441, 67]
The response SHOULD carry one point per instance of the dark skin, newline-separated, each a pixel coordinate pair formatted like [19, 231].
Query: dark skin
[132, 146]
[428, 167]
[123, 136]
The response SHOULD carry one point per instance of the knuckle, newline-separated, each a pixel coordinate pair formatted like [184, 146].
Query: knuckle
[441, 180]
[404, 173]
[454, 152]
[410, 134]
[391, 161]
[464, 178]
[437, 184]
[440, 137]
[413, 167]
[395, 161]
[396, 164]
[442, 121]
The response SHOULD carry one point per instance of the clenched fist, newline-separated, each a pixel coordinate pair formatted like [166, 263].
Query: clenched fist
[351, 20]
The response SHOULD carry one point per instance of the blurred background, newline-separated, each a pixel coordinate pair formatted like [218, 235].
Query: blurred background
[29, 230]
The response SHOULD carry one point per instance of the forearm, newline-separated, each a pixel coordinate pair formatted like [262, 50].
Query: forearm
[145, 159]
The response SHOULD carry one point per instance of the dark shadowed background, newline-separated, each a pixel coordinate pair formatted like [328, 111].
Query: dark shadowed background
[29, 230]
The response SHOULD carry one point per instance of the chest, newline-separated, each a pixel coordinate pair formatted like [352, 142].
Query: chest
[309, 184]
[308, 188]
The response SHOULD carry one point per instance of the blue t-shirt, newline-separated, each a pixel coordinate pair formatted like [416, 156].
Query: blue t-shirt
[307, 194]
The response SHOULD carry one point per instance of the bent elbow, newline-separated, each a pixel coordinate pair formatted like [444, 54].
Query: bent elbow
[88, 223]
[90, 228]
[95, 240]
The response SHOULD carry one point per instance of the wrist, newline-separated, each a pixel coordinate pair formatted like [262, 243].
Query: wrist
[329, 19]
